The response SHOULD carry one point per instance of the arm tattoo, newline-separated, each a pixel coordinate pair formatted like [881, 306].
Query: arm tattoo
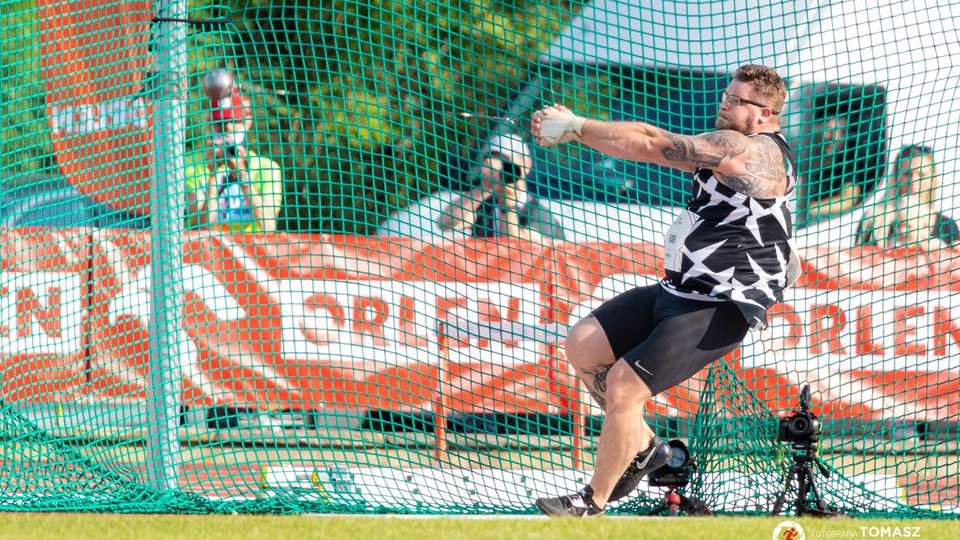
[705, 151]
[764, 176]
[597, 384]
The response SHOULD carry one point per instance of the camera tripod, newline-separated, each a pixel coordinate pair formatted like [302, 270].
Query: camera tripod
[804, 461]
[674, 502]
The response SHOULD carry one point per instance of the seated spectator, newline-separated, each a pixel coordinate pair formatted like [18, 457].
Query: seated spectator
[502, 206]
[230, 186]
[907, 214]
[828, 187]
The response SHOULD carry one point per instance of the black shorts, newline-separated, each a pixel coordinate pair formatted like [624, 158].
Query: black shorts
[666, 338]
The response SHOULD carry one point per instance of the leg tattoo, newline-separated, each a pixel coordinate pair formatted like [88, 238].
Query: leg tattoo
[597, 384]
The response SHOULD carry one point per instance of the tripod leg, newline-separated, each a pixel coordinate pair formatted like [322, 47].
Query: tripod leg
[821, 506]
[660, 508]
[693, 507]
[808, 486]
[802, 489]
[778, 505]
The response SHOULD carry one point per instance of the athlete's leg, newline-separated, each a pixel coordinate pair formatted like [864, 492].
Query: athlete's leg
[686, 335]
[592, 348]
[595, 342]
[590, 355]
[689, 334]
[624, 430]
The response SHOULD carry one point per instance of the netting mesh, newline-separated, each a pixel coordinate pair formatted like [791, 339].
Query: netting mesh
[326, 328]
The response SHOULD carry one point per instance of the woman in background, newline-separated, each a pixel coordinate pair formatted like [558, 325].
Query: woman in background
[907, 215]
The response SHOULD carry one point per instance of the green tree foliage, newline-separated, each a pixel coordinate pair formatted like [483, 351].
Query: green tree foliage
[25, 143]
[363, 124]
[354, 98]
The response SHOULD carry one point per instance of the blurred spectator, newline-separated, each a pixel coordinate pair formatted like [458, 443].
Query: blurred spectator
[907, 215]
[230, 186]
[502, 206]
[828, 186]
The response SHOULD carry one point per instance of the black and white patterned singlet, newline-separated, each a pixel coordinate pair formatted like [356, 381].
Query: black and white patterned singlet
[728, 246]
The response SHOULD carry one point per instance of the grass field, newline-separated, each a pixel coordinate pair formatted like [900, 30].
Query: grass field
[146, 527]
[214, 460]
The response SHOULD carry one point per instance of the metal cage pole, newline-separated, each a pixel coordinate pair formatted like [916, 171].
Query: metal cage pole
[166, 236]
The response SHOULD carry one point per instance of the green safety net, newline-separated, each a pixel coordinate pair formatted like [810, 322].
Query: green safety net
[275, 299]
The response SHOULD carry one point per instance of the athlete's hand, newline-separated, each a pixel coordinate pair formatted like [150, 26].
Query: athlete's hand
[556, 124]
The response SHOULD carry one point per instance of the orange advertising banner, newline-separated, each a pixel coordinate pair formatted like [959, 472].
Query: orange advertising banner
[284, 321]
[94, 59]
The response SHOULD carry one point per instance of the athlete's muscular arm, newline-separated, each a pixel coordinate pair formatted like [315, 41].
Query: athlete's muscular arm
[752, 166]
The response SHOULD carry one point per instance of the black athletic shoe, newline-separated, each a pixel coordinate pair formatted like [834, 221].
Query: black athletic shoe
[579, 504]
[655, 456]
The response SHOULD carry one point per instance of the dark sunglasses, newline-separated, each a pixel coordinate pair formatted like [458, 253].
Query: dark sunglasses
[511, 172]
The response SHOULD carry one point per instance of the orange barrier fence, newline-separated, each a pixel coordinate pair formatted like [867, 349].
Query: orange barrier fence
[306, 322]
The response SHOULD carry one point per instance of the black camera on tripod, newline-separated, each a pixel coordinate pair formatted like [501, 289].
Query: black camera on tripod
[676, 472]
[802, 430]
[673, 475]
[802, 427]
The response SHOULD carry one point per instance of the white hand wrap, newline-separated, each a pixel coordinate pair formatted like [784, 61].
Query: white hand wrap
[559, 127]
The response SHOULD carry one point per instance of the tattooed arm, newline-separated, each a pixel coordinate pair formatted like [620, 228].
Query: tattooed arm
[753, 166]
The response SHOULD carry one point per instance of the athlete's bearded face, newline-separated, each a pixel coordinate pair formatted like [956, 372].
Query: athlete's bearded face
[741, 109]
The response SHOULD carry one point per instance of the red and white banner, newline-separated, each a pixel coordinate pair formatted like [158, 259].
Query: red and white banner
[317, 322]
[94, 57]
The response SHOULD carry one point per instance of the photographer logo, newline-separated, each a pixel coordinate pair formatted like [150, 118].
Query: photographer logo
[788, 530]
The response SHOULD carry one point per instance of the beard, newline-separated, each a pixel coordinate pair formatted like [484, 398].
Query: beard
[726, 124]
